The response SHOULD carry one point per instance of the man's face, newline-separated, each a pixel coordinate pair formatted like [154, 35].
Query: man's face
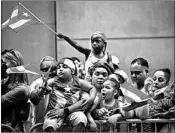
[97, 43]
[138, 74]
[98, 77]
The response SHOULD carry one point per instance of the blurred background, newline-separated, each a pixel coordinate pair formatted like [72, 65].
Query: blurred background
[133, 29]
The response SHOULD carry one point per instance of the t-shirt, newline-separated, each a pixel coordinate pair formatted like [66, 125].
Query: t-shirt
[63, 95]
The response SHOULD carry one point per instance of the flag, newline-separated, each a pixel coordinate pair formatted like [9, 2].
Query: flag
[20, 69]
[20, 18]
[131, 93]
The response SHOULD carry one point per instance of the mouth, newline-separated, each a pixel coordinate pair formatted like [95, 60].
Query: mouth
[100, 81]
[60, 73]
[103, 95]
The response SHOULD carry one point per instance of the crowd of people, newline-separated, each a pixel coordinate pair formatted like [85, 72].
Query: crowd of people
[79, 94]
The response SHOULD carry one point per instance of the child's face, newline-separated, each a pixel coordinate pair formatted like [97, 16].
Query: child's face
[108, 91]
[98, 77]
[63, 71]
[97, 42]
[159, 80]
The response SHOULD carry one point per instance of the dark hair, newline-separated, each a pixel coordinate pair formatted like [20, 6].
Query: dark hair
[102, 64]
[75, 58]
[117, 86]
[141, 61]
[167, 73]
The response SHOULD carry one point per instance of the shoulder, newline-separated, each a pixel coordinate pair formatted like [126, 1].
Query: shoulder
[22, 89]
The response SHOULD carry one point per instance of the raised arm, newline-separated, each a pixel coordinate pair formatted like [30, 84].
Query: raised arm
[74, 44]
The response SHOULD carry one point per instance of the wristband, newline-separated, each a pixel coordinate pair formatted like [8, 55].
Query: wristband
[66, 111]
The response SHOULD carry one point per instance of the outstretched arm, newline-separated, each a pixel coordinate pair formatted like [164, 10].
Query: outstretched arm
[74, 44]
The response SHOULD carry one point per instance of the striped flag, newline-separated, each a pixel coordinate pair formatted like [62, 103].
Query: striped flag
[131, 93]
[20, 18]
[20, 69]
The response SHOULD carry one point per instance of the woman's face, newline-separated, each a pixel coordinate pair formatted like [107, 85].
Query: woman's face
[159, 80]
[98, 77]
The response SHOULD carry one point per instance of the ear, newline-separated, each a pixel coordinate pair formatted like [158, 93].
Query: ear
[115, 92]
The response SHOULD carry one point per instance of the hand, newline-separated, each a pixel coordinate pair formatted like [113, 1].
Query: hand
[148, 84]
[93, 126]
[44, 91]
[102, 111]
[55, 113]
[60, 35]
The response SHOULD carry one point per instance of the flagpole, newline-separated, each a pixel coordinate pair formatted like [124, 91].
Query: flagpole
[37, 18]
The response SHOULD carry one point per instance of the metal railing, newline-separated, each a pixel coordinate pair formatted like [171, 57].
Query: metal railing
[128, 121]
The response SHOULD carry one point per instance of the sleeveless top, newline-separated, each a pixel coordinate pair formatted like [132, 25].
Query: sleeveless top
[109, 108]
[63, 95]
[90, 61]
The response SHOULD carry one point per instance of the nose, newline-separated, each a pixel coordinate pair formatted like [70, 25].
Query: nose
[100, 76]
[103, 89]
[61, 68]
[156, 82]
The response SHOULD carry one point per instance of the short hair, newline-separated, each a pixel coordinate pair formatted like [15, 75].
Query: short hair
[167, 73]
[141, 61]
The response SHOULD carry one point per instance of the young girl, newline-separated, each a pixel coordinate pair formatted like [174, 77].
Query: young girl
[108, 107]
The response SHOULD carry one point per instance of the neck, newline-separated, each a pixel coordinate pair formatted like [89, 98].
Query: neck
[109, 101]
[98, 54]
[66, 81]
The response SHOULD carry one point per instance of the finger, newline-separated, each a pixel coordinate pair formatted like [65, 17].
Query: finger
[84, 103]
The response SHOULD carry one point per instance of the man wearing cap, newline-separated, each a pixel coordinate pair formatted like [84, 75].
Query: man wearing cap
[65, 101]
[38, 95]
[98, 51]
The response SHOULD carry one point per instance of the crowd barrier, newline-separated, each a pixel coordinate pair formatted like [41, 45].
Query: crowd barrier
[170, 123]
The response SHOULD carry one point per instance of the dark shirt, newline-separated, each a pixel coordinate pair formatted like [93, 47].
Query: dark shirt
[14, 106]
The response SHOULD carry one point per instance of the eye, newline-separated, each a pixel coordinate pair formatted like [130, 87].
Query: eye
[154, 78]
[104, 74]
[58, 67]
[107, 87]
[160, 79]
[97, 73]
[65, 66]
